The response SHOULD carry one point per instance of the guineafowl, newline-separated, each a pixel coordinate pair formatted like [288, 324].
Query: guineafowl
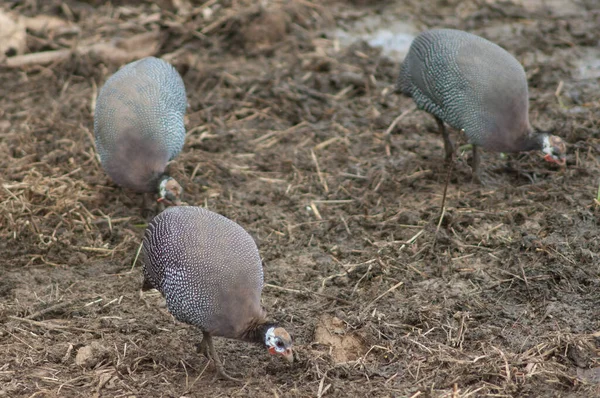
[475, 86]
[209, 270]
[139, 127]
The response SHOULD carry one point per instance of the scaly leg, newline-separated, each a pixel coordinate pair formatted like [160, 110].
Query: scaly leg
[148, 206]
[475, 166]
[207, 348]
[448, 146]
[202, 348]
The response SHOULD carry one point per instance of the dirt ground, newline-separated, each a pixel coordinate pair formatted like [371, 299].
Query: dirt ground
[287, 138]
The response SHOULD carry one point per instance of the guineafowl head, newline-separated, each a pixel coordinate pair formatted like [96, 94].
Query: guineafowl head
[170, 191]
[555, 150]
[279, 342]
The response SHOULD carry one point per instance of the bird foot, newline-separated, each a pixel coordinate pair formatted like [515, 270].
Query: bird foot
[482, 179]
[221, 374]
[207, 348]
[202, 348]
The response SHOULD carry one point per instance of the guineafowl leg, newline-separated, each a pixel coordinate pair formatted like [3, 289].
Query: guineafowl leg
[475, 165]
[148, 206]
[448, 146]
[208, 349]
[202, 348]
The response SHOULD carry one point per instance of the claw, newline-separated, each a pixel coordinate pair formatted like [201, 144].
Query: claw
[221, 374]
[202, 348]
[206, 346]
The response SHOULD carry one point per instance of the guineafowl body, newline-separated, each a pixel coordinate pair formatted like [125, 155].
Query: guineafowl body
[476, 86]
[209, 270]
[207, 267]
[138, 123]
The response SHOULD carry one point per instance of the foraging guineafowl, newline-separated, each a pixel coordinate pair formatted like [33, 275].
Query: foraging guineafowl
[476, 86]
[138, 124]
[210, 272]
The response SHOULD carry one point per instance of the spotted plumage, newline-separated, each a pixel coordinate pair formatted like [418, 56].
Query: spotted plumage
[209, 270]
[475, 86]
[139, 126]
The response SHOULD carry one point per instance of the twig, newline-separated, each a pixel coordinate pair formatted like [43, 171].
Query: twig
[46, 310]
[315, 210]
[412, 240]
[391, 289]
[117, 51]
[136, 256]
[360, 280]
[559, 88]
[397, 119]
[346, 225]
[455, 391]
[557, 94]
[443, 207]
[321, 177]
[50, 326]
[334, 201]
[473, 392]
[506, 367]
[437, 229]
[415, 175]
[322, 390]
[209, 3]
[524, 276]
[200, 375]
[386, 135]
[279, 133]
[326, 143]
[209, 28]
[96, 249]
[339, 95]
[356, 176]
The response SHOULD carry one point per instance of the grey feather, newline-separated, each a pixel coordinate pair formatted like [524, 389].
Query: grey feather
[207, 267]
[138, 122]
[473, 85]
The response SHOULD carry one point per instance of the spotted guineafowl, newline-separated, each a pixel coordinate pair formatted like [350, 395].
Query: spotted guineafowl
[139, 128]
[209, 270]
[475, 86]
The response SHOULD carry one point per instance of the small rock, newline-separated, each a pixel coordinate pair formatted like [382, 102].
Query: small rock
[268, 28]
[90, 355]
[12, 36]
[57, 353]
[84, 355]
[349, 78]
[4, 125]
[77, 258]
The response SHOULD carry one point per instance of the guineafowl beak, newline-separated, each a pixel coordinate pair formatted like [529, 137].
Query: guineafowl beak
[289, 355]
[555, 159]
[555, 149]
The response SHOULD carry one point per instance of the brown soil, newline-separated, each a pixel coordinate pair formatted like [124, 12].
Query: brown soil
[287, 137]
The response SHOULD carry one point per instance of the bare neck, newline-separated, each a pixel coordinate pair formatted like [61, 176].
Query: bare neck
[533, 141]
[256, 330]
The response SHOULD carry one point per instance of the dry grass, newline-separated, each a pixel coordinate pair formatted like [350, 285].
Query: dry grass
[289, 136]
